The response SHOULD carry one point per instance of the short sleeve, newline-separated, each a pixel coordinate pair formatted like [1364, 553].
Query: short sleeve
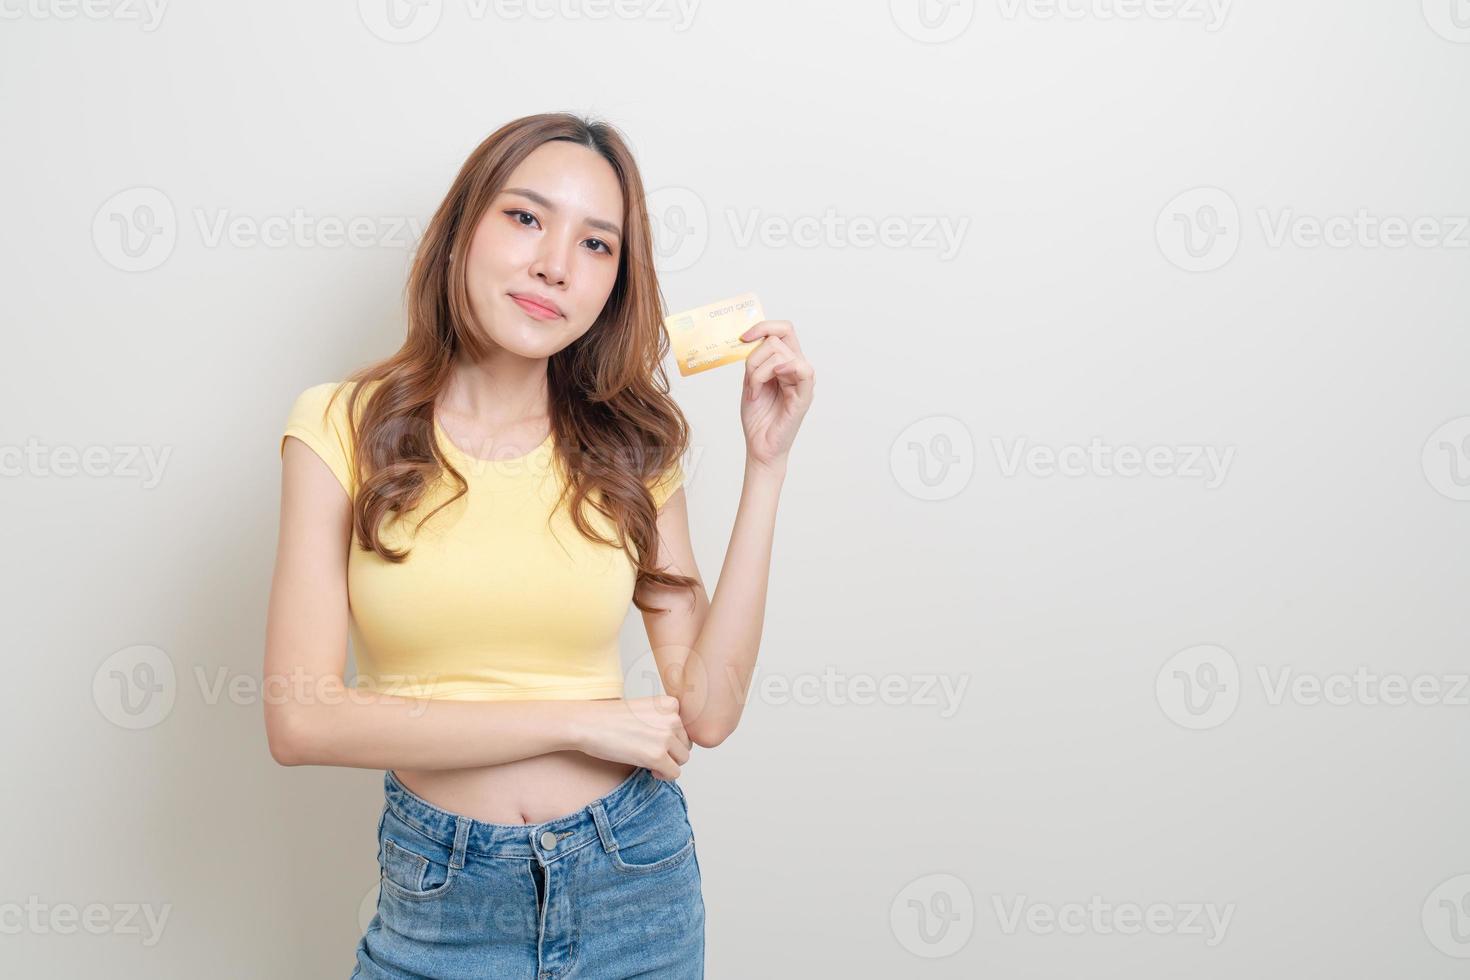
[327, 434]
[664, 487]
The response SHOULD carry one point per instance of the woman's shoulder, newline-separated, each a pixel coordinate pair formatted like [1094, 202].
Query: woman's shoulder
[319, 418]
[328, 401]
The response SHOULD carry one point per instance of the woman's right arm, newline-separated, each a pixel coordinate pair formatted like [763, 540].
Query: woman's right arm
[313, 718]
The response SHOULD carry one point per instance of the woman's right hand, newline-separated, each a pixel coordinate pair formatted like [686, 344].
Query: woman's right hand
[639, 731]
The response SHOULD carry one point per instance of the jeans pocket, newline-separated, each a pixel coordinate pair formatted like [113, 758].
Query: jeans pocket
[657, 837]
[413, 865]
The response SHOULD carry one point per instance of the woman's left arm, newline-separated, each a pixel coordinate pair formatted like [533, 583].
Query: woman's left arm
[706, 649]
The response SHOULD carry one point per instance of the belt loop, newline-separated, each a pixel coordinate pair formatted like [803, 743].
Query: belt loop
[604, 829]
[461, 840]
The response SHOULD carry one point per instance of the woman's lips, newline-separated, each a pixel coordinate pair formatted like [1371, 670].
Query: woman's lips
[535, 309]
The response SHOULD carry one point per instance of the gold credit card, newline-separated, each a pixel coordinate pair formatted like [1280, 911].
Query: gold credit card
[709, 336]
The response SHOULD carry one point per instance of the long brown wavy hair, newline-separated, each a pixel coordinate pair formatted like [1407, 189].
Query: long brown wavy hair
[615, 426]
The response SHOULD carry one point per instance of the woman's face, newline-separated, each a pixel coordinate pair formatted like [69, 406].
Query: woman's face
[554, 235]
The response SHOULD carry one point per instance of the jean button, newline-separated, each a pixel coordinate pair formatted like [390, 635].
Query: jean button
[548, 840]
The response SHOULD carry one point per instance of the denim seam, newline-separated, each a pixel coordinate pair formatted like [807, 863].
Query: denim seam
[563, 852]
[595, 836]
[681, 856]
[417, 825]
[390, 845]
[674, 859]
[388, 884]
[613, 824]
[571, 939]
[413, 822]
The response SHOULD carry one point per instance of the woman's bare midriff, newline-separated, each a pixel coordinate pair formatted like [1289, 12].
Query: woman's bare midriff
[532, 790]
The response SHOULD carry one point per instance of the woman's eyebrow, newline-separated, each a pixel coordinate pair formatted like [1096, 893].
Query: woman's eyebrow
[545, 203]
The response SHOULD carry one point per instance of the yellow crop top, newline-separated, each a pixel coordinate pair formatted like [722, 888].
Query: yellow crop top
[492, 603]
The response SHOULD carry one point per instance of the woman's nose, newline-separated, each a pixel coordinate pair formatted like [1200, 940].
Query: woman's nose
[552, 261]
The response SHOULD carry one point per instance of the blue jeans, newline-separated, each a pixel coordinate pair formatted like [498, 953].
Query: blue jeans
[608, 892]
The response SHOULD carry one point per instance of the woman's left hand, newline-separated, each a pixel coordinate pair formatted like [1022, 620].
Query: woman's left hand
[777, 392]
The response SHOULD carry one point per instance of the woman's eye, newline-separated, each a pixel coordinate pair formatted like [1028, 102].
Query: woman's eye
[518, 214]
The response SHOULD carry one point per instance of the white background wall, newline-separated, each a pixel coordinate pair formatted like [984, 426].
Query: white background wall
[1131, 191]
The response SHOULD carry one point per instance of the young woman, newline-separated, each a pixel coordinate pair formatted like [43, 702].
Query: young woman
[476, 512]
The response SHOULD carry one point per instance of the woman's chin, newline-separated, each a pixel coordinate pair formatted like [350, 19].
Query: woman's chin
[533, 341]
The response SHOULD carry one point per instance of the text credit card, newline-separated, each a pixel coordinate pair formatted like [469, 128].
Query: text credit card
[709, 336]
